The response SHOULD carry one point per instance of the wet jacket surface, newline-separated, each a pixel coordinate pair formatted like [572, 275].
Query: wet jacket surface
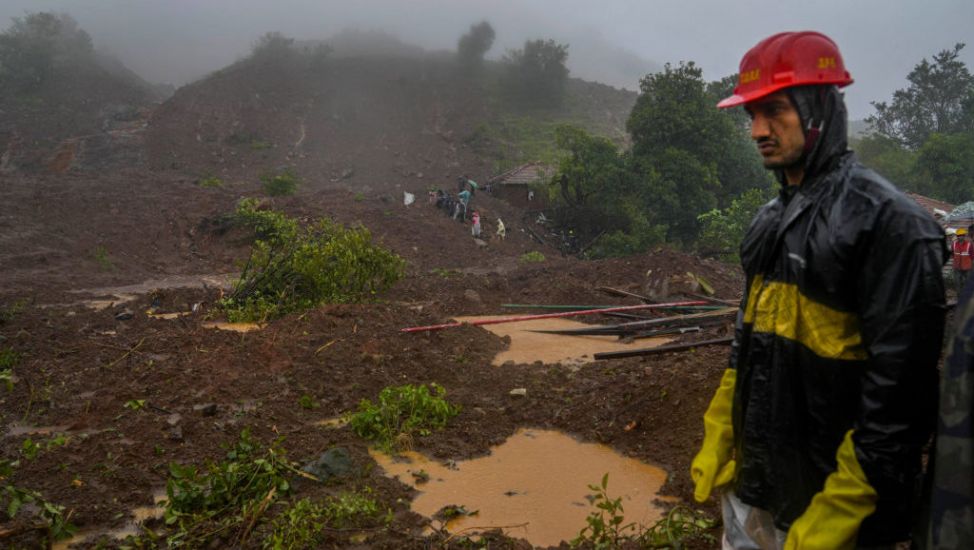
[840, 329]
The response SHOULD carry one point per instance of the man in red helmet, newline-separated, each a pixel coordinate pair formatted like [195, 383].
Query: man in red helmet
[816, 430]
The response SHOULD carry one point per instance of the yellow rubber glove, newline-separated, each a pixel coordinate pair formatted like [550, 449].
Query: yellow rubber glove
[713, 466]
[831, 521]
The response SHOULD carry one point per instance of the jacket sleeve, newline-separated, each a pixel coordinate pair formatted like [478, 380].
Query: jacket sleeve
[902, 307]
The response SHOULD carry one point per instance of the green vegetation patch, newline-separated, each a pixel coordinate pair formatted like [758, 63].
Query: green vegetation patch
[8, 359]
[532, 257]
[224, 499]
[402, 412]
[606, 526]
[13, 500]
[294, 268]
[302, 524]
[279, 185]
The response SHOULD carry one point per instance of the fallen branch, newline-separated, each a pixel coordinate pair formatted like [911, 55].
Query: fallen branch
[126, 354]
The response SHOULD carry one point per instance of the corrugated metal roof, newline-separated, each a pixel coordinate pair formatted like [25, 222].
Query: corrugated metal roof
[525, 174]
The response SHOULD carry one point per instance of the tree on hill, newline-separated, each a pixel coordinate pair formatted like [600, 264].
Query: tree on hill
[40, 45]
[474, 45]
[535, 75]
[692, 156]
[272, 48]
[939, 99]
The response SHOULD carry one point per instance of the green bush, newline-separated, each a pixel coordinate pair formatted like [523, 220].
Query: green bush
[298, 268]
[268, 225]
[532, 257]
[8, 359]
[285, 183]
[402, 412]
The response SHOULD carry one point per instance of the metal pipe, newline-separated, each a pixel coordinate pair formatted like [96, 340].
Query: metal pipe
[548, 316]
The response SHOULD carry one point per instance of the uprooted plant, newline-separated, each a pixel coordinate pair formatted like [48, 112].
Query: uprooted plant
[225, 500]
[294, 268]
[402, 412]
[13, 499]
[606, 526]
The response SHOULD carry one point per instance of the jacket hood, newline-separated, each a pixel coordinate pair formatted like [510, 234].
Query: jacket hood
[823, 115]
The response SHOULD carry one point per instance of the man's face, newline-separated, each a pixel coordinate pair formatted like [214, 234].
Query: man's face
[777, 130]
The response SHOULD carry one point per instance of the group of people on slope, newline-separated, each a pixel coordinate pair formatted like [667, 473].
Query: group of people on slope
[458, 207]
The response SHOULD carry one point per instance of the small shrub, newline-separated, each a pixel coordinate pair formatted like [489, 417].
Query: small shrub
[349, 510]
[210, 182]
[259, 145]
[7, 313]
[607, 528]
[400, 413]
[285, 183]
[532, 257]
[307, 402]
[606, 525]
[300, 268]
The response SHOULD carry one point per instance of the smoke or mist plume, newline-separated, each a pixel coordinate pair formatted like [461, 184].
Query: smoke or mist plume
[616, 42]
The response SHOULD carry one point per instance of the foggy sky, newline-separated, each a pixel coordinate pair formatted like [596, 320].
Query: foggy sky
[177, 41]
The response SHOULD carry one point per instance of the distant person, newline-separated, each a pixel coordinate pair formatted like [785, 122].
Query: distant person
[464, 197]
[963, 251]
[475, 227]
[815, 435]
[501, 230]
[461, 184]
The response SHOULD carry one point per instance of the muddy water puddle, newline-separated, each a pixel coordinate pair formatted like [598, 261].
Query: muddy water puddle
[528, 346]
[233, 327]
[534, 486]
[132, 528]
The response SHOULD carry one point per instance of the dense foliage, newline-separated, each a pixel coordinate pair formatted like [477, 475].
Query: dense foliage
[923, 140]
[294, 267]
[687, 158]
[401, 413]
[535, 75]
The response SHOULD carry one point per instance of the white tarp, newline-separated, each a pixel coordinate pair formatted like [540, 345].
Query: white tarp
[408, 198]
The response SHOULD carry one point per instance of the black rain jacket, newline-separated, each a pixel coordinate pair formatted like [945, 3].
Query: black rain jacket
[840, 328]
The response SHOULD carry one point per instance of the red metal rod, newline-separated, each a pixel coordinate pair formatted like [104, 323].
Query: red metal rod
[551, 315]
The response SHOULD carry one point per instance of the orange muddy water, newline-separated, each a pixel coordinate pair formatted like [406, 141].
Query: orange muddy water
[528, 346]
[534, 486]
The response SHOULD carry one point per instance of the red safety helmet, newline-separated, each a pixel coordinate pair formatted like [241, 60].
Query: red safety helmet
[788, 59]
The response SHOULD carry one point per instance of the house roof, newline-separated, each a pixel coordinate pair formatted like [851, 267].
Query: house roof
[931, 204]
[526, 174]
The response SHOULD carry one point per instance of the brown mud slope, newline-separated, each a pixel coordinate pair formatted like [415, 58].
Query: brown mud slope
[75, 368]
[79, 367]
[363, 121]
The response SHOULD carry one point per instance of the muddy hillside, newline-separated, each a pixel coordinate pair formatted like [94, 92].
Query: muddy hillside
[134, 415]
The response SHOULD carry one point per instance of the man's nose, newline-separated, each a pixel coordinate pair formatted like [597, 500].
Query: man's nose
[760, 127]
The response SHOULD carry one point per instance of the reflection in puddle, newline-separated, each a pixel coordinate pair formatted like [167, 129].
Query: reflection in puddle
[528, 346]
[139, 515]
[538, 478]
[234, 327]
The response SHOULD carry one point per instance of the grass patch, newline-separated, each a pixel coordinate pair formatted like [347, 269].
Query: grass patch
[294, 268]
[279, 185]
[402, 412]
[210, 182]
[531, 257]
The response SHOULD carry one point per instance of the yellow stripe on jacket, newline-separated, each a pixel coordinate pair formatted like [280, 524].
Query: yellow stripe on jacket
[781, 309]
